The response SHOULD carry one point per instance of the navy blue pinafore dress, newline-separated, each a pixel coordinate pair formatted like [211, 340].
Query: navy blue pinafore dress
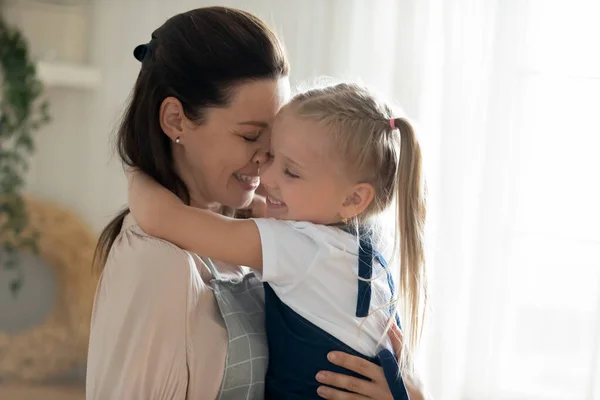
[298, 349]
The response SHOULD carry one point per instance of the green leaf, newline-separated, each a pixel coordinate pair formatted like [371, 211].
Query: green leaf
[15, 286]
[30, 243]
[21, 114]
[25, 141]
[11, 263]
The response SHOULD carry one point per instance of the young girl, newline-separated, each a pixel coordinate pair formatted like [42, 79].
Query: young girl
[339, 160]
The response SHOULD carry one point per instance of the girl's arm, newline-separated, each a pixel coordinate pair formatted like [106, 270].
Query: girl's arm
[162, 214]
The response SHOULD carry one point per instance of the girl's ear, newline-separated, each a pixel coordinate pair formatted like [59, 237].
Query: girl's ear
[358, 200]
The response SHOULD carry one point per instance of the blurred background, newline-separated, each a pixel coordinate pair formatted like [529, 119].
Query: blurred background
[506, 95]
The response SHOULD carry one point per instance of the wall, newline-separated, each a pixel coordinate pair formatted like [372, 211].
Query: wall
[74, 163]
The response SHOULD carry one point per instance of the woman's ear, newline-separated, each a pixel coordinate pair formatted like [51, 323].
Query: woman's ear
[172, 118]
[358, 200]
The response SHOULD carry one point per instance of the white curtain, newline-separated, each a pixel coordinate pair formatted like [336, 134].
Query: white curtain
[507, 97]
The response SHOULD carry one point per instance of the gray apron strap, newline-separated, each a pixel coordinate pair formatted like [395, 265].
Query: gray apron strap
[210, 266]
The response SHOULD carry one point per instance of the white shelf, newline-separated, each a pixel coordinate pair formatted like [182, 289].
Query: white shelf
[75, 76]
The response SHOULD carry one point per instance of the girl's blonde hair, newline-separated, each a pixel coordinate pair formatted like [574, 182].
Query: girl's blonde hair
[381, 150]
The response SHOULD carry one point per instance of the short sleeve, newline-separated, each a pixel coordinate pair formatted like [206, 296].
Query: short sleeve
[288, 250]
[138, 334]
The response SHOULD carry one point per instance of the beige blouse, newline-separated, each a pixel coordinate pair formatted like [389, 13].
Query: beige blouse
[156, 331]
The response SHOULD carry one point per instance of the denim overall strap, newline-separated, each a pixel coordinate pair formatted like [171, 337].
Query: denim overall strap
[365, 274]
[388, 361]
[366, 254]
[379, 257]
[391, 370]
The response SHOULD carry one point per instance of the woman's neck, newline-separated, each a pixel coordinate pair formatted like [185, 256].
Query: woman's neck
[197, 198]
[198, 201]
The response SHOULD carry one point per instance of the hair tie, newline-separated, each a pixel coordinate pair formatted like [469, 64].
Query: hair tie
[393, 123]
[144, 51]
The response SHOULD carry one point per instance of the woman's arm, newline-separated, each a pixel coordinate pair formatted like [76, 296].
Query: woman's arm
[162, 214]
[137, 348]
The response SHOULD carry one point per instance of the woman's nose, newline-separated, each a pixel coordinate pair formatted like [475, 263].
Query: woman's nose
[261, 157]
[262, 153]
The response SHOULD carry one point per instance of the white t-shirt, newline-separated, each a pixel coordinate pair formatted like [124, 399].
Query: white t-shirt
[313, 269]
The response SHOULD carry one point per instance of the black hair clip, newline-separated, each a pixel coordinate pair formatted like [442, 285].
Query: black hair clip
[144, 51]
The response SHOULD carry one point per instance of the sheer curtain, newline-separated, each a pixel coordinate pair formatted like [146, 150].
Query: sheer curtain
[507, 97]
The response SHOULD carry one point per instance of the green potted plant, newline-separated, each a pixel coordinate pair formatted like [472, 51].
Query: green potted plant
[22, 112]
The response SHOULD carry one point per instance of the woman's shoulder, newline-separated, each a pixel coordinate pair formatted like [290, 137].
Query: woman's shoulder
[137, 254]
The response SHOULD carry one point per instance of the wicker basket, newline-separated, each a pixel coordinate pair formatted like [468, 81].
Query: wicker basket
[60, 342]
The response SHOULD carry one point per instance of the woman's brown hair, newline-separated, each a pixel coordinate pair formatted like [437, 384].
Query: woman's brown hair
[197, 57]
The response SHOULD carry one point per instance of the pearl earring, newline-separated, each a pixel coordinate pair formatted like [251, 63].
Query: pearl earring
[178, 140]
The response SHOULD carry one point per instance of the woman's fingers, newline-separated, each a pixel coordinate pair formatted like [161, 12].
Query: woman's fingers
[357, 364]
[395, 335]
[414, 389]
[333, 394]
[350, 383]
[375, 387]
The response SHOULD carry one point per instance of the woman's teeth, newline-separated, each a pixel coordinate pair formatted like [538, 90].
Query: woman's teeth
[273, 201]
[254, 180]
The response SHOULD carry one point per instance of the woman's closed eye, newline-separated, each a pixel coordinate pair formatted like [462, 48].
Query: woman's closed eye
[250, 136]
[251, 139]
[290, 174]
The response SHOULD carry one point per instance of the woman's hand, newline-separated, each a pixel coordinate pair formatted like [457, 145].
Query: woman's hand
[412, 383]
[377, 388]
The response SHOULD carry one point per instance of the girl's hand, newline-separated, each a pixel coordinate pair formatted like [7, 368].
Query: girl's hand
[377, 388]
[147, 199]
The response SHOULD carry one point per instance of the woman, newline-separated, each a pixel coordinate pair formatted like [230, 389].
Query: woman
[168, 324]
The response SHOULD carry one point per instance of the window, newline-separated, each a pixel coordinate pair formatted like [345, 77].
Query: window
[549, 317]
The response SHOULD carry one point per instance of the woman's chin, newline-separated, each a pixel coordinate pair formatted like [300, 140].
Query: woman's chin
[241, 200]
